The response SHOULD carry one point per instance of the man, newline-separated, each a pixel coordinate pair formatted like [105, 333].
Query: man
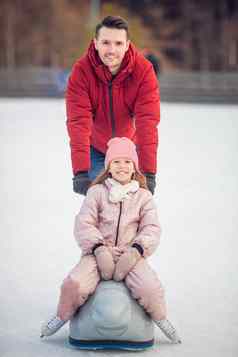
[112, 91]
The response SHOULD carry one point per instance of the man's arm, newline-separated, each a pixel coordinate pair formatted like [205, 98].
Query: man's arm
[147, 115]
[79, 120]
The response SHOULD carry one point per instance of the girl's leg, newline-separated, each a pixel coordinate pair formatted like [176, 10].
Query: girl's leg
[145, 286]
[78, 285]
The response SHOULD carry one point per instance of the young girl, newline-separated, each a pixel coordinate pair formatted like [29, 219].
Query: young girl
[117, 229]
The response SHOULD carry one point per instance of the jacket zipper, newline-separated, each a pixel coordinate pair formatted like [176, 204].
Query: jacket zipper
[118, 224]
[111, 109]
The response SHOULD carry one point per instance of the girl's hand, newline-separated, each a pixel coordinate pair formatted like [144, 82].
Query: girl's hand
[116, 253]
[126, 263]
[105, 263]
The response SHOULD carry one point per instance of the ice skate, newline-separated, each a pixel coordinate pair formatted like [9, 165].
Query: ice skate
[51, 326]
[169, 331]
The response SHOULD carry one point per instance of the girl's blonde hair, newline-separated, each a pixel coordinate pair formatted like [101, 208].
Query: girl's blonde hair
[138, 176]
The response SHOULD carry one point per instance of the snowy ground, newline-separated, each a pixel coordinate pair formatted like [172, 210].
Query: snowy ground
[198, 203]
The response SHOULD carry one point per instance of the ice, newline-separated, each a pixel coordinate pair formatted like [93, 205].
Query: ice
[197, 200]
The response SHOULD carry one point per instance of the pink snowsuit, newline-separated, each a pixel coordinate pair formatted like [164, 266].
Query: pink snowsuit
[133, 220]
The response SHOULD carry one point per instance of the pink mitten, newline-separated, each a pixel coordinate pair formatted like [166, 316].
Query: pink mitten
[126, 263]
[116, 252]
[105, 262]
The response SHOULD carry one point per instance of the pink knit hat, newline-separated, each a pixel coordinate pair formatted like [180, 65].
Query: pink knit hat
[121, 148]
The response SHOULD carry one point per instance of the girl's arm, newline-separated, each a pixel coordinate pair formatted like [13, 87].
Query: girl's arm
[145, 242]
[86, 232]
[148, 236]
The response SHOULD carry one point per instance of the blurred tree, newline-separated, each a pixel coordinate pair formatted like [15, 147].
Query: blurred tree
[191, 35]
[8, 24]
[43, 32]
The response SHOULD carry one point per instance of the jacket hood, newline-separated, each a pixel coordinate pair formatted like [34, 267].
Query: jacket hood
[103, 72]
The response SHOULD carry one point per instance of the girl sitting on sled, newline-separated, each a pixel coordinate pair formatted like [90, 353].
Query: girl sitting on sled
[117, 228]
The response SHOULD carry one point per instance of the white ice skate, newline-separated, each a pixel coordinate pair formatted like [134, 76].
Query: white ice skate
[51, 326]
[168, 329]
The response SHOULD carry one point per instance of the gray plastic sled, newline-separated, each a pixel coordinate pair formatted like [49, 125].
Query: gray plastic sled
[111, 319]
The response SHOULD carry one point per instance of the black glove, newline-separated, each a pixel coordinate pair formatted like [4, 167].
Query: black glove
[81, 182]
[150, 180]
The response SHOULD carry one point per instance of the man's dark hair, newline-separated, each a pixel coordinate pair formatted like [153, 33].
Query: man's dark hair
[112, 22]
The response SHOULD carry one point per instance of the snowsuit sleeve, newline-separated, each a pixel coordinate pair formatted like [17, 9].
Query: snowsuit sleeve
[86, 230]
[147, 117]
[149, 230]
[79, 119]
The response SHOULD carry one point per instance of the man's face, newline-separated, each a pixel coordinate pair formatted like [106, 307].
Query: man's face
[112, 45]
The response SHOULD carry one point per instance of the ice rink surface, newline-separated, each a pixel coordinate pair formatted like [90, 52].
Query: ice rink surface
[197, 200]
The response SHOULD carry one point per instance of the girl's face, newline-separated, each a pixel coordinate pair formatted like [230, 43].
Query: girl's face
[121, 170]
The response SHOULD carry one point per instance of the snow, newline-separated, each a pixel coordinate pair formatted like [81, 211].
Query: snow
[197, 200]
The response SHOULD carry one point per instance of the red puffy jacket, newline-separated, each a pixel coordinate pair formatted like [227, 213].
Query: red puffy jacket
[100, 106]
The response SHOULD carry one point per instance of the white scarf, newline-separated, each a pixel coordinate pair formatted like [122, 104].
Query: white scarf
[119, 192]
